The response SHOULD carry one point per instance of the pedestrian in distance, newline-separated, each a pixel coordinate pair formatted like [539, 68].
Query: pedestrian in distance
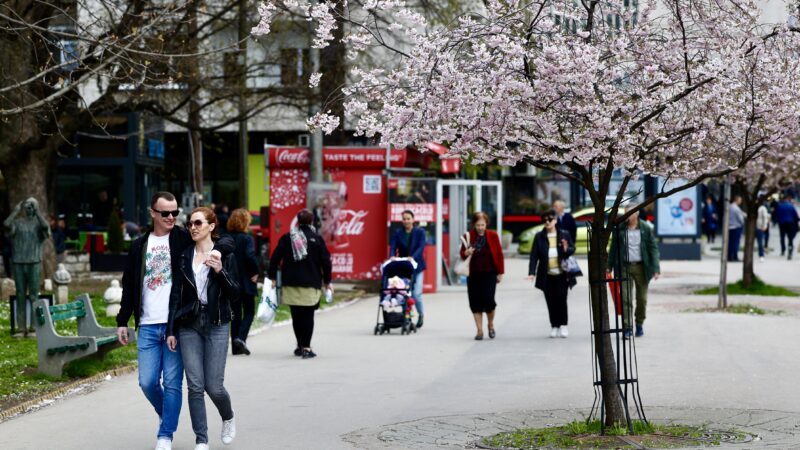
[244, 307]
[305, 264]
[710, 219]
[735, 228]
[565, 220]
[551, 246]
[486, 269]
[199, 319]
[59, 239]
[153, 260]
[762, 226]
[409, 242]
[787, 218]
[636, 263]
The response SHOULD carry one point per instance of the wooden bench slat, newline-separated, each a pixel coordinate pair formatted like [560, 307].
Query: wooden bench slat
[68, 315]
[66, 306]
[68, 348]
[106, 340]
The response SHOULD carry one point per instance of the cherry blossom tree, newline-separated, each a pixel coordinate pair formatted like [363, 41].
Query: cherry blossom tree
[770, 173]
[681, 89]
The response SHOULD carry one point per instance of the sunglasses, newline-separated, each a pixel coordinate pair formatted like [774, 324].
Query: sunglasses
[195, 223]
[166, 214]
[549, 219]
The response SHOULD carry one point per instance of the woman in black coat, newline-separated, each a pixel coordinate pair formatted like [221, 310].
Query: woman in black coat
[305, 265]
[551, 246]
[244, 307]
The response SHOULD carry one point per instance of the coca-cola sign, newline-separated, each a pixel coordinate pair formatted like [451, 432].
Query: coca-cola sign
[333, 157]
[292, 157]
[353, 222]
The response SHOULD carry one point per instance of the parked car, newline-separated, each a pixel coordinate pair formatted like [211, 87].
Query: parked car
[583, 219]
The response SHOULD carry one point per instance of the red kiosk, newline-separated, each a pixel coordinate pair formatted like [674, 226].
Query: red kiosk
[354, 215]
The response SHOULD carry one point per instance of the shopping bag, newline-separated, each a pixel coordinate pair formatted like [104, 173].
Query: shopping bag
[616, 293]
[461, 267]
[570, 266]
[268, 303]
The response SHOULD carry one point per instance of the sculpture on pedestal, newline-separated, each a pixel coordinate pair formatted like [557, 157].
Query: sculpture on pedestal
[28, 230]
[113, 297]
[62, 278]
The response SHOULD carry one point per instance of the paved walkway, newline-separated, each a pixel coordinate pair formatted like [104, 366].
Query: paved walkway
[370, 391]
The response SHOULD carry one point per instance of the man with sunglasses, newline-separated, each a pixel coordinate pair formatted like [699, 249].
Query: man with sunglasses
[147, 282]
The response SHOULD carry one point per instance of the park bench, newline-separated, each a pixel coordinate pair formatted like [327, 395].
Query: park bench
[56, 350]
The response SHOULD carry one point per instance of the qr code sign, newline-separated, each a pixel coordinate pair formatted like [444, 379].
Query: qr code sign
[372, 184]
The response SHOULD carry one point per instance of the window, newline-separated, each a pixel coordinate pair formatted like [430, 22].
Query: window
[295, 66]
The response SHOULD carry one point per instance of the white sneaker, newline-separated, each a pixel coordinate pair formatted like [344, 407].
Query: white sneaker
[563, 332]
[228, 430]
[761, 259]
[201, 447]
[164, 444]
[554, 332]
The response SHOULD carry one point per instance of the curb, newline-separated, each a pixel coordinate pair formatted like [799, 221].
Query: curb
[62, 392]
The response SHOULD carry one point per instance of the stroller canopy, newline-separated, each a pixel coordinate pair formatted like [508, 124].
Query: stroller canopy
[394, 267]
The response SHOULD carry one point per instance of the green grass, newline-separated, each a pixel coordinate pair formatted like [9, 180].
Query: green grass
[19, 380]
[758, 287]
[741, 308]
[586, 435]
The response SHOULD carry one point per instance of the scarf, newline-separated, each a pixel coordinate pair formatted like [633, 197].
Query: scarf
[299, 242]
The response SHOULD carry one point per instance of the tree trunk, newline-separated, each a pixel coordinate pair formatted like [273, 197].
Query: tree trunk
[194, 119]
[27, 177]
[749, 242]
[598, 260]
[334, 59]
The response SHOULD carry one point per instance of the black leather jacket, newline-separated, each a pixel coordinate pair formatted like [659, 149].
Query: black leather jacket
[223, 288]
[133, 276]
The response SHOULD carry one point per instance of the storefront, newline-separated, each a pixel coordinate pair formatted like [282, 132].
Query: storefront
[117, 166]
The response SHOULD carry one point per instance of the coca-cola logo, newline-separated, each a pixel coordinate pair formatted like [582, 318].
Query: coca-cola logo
[292, 157]
[351, 223]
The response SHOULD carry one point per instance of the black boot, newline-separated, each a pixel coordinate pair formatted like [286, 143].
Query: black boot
[420, 321]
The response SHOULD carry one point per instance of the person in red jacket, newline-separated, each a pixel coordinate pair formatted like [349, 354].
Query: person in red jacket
[486, 269]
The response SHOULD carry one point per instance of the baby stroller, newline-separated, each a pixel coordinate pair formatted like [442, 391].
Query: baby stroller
[395, 304]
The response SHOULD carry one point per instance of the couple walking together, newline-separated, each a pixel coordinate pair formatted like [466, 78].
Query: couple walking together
[179, 286]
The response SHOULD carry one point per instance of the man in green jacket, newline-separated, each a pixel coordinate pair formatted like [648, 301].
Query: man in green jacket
[639, 262]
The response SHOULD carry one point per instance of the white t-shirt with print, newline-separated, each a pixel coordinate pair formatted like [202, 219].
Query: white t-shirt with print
[157, 281]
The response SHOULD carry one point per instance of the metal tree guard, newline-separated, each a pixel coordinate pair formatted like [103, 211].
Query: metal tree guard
[627, 380]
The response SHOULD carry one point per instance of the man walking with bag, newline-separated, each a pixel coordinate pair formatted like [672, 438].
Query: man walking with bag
[147, 282]
[639, 264]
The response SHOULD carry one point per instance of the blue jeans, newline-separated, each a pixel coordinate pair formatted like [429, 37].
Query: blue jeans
[160, 376]
[760, 237]
[204, 358]
[419, 281]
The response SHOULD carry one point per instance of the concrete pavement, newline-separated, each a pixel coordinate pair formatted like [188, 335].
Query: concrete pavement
[363, 391]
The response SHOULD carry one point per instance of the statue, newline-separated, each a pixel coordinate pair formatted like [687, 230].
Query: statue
[62, 278]
[113, 296]
[28, 230]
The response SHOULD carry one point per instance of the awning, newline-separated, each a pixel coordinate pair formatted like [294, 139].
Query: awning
[449, 164]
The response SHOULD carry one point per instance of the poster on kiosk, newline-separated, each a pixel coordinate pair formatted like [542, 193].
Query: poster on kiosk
[350, 205]
[417, 195]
